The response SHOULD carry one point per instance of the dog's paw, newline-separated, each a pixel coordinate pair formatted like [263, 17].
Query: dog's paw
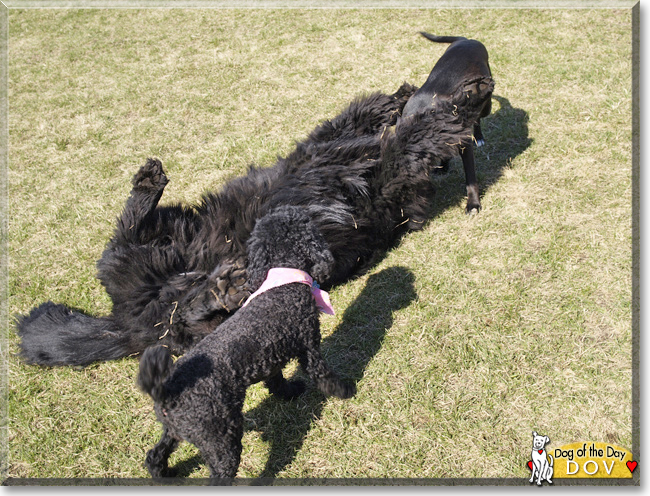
[480, 143]
[291, 390]
[472, 208]
[229, 286]
[473, 201]
[348, 391]
[151, 176]
[337, 388]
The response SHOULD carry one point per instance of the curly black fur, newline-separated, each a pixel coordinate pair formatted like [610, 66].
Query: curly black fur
[175, 272]
[199, 399]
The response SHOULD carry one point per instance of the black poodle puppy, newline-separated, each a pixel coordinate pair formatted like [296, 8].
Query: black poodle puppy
[175, 272]
[200, 398]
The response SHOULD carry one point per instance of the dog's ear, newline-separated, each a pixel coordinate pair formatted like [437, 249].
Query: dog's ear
[547, 440]
[259, 260]
[534, 434]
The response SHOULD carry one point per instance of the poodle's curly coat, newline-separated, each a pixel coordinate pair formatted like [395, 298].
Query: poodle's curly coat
[199, 399]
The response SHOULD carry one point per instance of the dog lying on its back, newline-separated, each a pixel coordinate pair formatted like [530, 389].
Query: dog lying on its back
[462, 60]
[200, 398]
[175, 272]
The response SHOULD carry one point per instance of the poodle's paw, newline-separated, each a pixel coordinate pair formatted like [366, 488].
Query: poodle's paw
[151, 176]
[337, 388]
[346, 391]
[156, 470]
[291, 390]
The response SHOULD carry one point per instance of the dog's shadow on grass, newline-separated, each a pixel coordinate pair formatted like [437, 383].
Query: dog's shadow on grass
[348, 350]
[506, 134]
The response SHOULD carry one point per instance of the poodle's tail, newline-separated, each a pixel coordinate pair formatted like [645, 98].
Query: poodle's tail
[155, 365]
[53, 334]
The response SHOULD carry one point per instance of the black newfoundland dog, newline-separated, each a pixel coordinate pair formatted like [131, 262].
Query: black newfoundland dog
[176, 272]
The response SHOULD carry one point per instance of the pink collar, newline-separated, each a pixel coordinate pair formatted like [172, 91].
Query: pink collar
[281, 276]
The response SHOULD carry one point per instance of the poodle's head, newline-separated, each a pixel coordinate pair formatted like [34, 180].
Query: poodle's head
[286, 237]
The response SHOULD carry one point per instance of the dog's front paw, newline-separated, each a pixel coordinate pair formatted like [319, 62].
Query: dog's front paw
[337, 388]
[480, 142]
[473, 202]
[151, 176]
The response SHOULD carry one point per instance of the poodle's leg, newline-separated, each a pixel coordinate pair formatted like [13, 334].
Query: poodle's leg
[281, 387]
[327, 381]
[221, 447]
[148, 185]
[156, 461]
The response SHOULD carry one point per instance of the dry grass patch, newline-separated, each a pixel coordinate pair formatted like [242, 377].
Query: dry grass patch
[465, 338]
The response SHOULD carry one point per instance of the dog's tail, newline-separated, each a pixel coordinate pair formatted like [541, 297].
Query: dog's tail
[53, 334]
[155, 365]
[550, 464]
[442, 39]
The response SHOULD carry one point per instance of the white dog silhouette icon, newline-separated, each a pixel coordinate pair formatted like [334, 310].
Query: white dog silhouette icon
[542, 467]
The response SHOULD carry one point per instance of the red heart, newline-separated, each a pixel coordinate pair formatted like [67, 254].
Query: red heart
[530, 464]
[540, 451]
[631, 466]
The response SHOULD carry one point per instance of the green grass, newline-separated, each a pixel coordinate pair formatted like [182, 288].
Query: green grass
[465, 338]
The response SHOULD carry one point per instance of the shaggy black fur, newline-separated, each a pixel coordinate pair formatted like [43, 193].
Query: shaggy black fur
[200, 398]
[175, 272]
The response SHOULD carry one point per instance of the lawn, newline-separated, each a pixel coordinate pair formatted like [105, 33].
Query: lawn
[464, 339]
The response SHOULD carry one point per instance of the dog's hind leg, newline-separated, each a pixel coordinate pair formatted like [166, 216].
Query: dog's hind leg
[473, 201]
[281, 387]
[156, 461]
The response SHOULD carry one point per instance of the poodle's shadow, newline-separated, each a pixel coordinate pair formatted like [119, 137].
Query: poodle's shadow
[506, 135]
[348, 350]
